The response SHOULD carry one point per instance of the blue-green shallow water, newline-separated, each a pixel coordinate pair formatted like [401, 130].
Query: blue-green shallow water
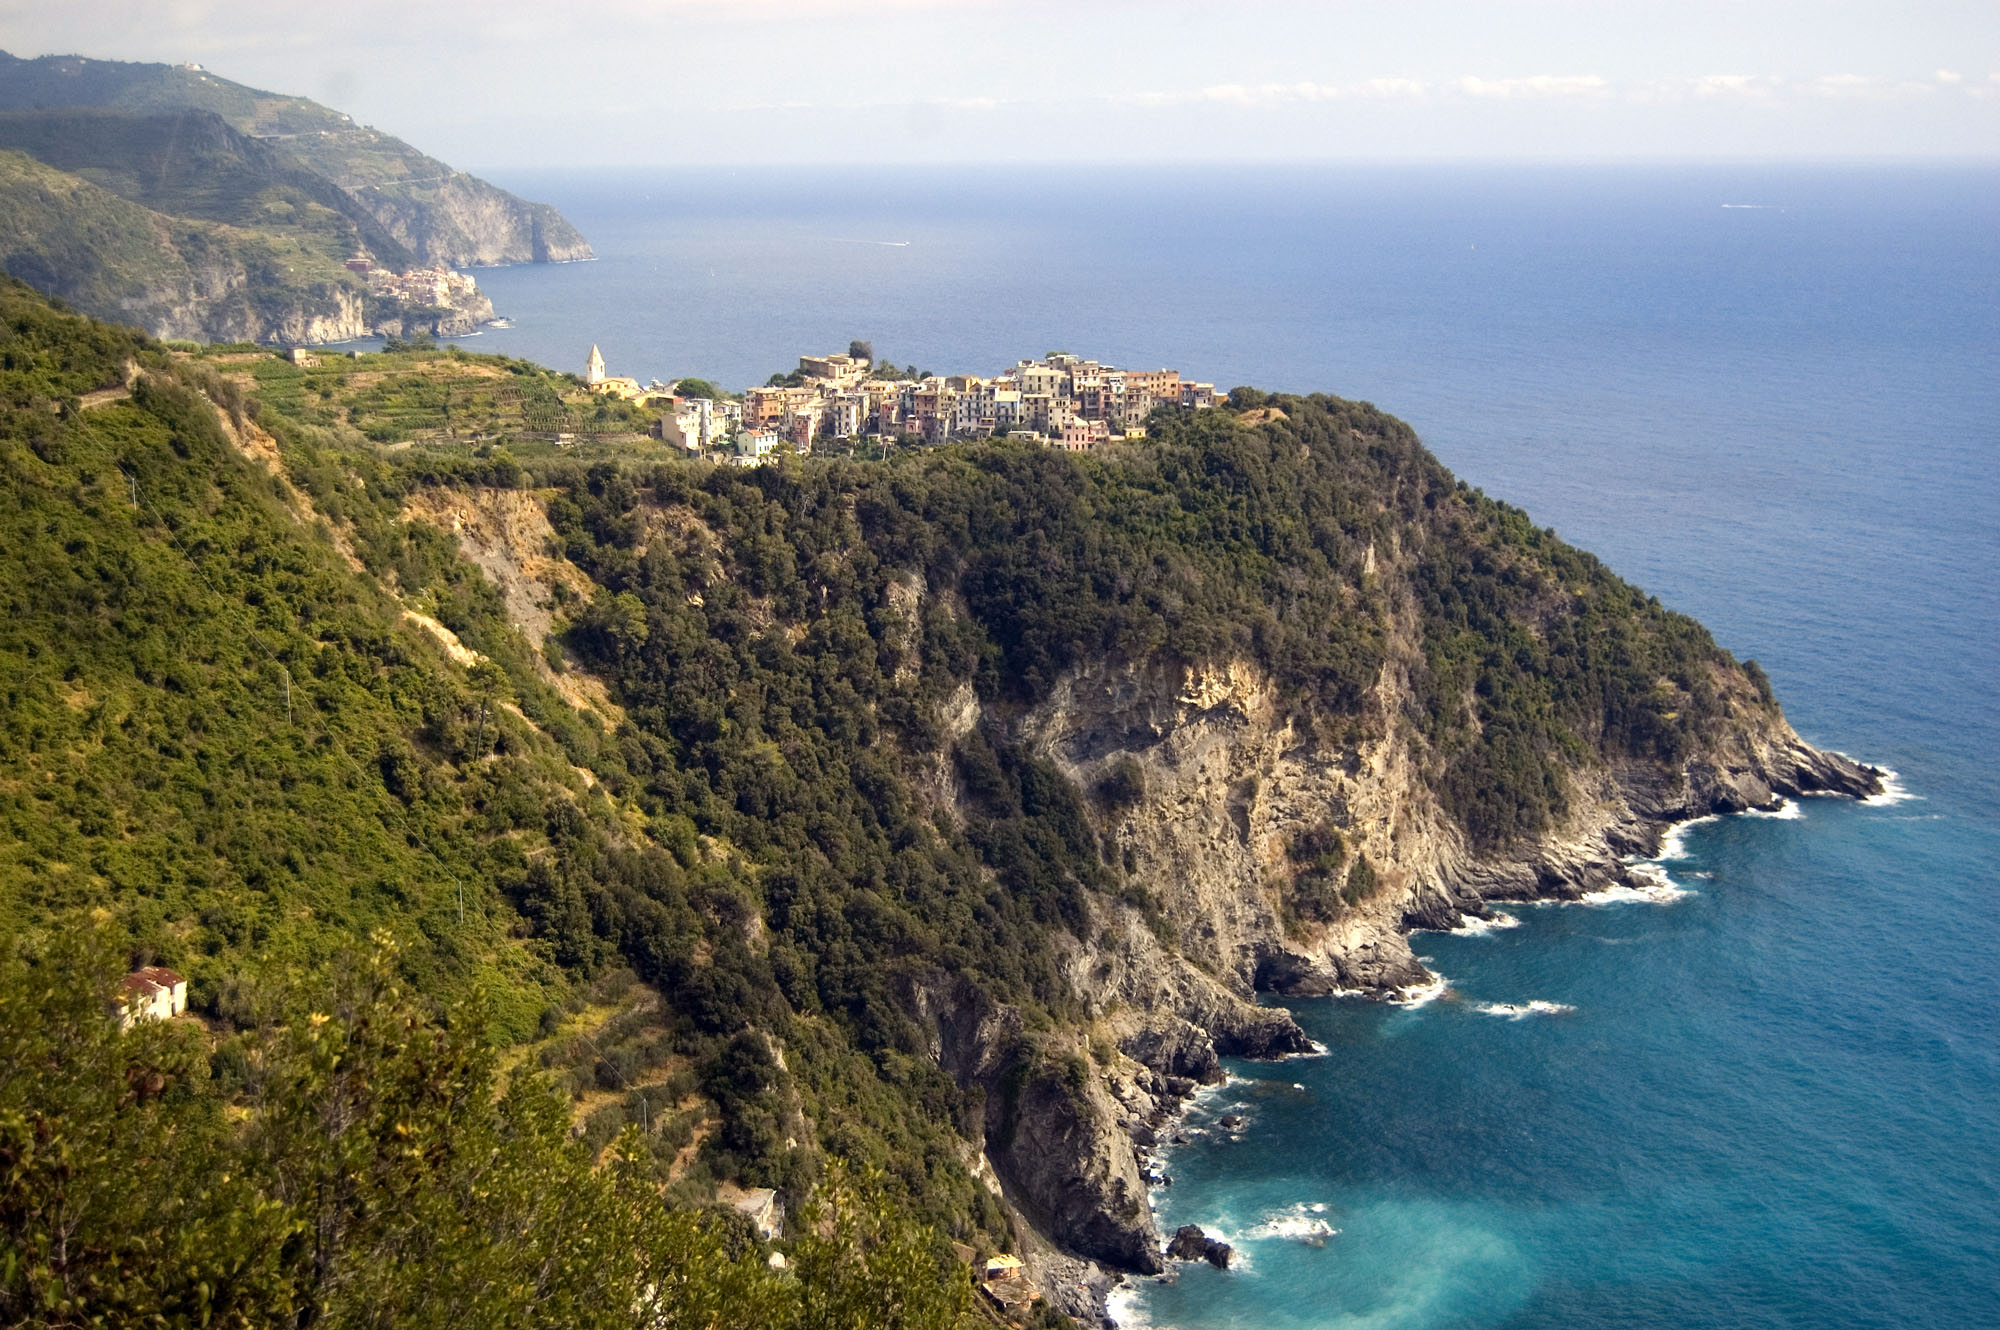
[1777, 1100]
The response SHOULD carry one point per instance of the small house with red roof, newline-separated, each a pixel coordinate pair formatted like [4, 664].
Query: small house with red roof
[154, 993]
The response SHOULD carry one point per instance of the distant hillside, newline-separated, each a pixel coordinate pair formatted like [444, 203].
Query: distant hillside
[441, 216]
[175, 277]
[181, 277]
[193, 164]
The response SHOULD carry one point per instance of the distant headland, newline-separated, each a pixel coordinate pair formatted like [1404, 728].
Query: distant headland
[170, 198]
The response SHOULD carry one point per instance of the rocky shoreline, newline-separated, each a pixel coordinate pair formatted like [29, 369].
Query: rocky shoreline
[1176, 1010]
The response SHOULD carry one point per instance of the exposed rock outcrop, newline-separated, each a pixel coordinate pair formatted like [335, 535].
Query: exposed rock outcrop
[1218, 780]
[1191, 1244]
[1231, 781]
[463, 221]
[1052, 1127]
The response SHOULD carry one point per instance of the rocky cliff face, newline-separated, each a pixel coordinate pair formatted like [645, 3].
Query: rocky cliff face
[222, 302]
[1229, 785]
[1221, 778]
[462, 221]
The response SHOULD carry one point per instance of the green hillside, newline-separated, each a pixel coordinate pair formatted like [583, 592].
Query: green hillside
[191, 164]
[70, 81]
[213, 724]
[83, 244]
[683, 834]
[231, 746]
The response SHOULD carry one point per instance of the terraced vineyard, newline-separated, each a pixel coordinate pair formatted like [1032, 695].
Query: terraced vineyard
[434, 397]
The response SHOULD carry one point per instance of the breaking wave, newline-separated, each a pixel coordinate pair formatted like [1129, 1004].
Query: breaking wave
[1304, 1222]
[1421, 995]
[1474, 926]
[1673, 845]
[1653, 887]
[1516, 1011]
[1893, 791]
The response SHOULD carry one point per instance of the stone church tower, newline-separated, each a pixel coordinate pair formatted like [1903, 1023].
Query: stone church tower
[593, 373]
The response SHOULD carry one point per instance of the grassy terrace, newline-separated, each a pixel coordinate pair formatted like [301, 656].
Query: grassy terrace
[439, 398]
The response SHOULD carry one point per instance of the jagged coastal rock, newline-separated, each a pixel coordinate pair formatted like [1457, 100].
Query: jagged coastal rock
[1191, 1244]
[1228, 784]
[461, 221]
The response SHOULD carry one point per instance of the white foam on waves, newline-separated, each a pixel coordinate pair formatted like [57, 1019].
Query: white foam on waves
[1653, 887]
[1893, 791]
[1786, 811]
[1304, 1222]
[1516, 1011]
[1673, 845]
[1421, 995]
[1122, 1305]
[1474, 926]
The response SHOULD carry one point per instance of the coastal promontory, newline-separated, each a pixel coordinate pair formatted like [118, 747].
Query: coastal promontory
[907, 834]
[171, 198]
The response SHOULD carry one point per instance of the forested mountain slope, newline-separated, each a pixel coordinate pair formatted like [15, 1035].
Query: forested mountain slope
[939, 815]
[439, 215]
[191, 164]
[178, 277]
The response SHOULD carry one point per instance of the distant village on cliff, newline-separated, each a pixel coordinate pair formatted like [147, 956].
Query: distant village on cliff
[1061, 401]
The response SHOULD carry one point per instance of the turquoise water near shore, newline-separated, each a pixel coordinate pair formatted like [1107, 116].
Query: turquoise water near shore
[1768, 1102]
[1773, 1100]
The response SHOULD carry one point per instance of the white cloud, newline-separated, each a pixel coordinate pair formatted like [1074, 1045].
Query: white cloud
[1392, 88]
[1719, 85]
[1280, 94]
[1269, 94]
[1539, 86]
[1948, 76]
[1737, 89]
[1847, 86]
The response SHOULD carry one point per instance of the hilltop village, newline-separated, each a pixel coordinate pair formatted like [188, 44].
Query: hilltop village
[1060, 401]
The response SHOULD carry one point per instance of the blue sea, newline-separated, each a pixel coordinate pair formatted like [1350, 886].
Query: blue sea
[1771, 396]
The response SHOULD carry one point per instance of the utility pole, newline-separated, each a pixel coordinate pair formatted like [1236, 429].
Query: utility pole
[288, 695]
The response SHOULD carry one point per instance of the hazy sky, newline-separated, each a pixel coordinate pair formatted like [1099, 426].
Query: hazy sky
[511, 83]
